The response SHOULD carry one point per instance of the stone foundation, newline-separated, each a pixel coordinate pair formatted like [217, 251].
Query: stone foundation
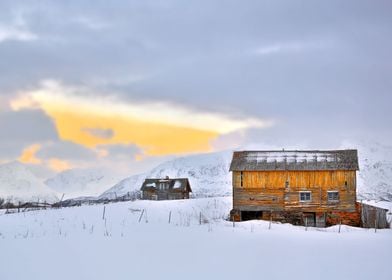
[315, 219]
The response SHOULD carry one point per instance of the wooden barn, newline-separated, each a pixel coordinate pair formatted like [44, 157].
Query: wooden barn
[314, 188]
[166, 189]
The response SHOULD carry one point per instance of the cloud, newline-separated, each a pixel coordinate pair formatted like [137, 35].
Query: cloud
[22, 129]
[58, 165]
[66, 150]
[157, 127]
[27, 126]
[121, 151]
[99, 132]
[23, 102]
[29, 155]
[54, 94]
[15, 33]
[292, 47]
[275, 71]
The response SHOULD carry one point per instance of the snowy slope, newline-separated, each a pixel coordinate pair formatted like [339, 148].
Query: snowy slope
[128, 185]
[82, 182]
[208, 175]
[19, 184]
[375, 175]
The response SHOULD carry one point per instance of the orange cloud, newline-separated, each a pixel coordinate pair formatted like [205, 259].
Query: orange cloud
[29, 155]
[155, 138]
[157, 128]
[58, 165]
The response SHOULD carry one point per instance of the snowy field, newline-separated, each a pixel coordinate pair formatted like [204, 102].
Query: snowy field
[77, 243]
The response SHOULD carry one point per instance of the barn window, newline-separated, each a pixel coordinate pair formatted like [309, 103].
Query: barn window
[242, 178]
[305, 196]
[333, 196]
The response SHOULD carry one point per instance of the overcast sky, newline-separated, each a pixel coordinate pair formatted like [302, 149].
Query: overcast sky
[132, 83]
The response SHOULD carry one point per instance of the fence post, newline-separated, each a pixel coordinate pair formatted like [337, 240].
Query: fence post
[340, 224]
[269, 227]
[306, 223]
[103, 213]
[141, 215]
[169, 217]
[200, 219]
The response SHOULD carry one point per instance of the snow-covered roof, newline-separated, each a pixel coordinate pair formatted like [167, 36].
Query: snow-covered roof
[294, 160]
[175, 184]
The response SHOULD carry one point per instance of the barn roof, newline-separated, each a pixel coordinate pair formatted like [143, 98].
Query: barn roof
[175, 184]
[294, 160]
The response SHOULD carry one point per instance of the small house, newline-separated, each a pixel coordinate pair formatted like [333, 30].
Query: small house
[314, 188]
[166, 189]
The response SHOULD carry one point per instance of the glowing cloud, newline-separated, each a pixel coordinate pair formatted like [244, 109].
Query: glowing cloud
[158, 128]
[29, 155]
[58, 165]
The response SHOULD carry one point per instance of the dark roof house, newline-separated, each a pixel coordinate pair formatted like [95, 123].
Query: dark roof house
[166, 189]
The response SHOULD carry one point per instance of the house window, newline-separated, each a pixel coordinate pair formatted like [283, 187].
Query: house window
[333, 196]
[162, 186]
[305, 196]
[242, 178]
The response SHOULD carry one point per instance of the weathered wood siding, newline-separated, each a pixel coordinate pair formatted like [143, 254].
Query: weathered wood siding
[373, 217]
[164, 195]
[268, 190]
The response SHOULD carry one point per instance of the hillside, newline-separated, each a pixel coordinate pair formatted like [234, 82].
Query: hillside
[81, 182]
[375, 175]
[208, 175]
[128, 185]
[19, 184]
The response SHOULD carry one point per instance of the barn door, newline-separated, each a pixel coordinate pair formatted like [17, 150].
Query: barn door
[309, 219]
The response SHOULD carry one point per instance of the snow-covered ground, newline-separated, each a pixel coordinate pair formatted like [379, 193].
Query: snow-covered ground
[77, 243]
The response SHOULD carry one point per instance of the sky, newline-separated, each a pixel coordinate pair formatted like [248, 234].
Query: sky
[128, 84]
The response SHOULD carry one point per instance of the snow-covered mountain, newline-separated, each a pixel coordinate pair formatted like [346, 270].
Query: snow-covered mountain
[375, 174]
[130, 185]
[82, 182]
[208, 175]
[19, 184]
